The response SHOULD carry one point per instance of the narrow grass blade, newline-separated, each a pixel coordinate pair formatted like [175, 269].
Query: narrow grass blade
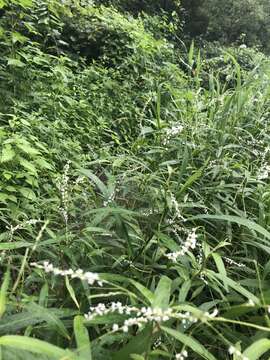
[82, 338]
[189, 341]
[3, 293]
[36, 346]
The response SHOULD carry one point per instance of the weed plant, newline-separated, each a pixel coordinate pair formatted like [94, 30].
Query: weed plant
[134, 193]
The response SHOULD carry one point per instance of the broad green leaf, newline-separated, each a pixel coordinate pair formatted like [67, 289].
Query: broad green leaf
[122, 232]
[24, 3]
[234, 285]
[10, 188]
[162, 293]
[36, 346]
[237, 311]
[149, 296]
[100, 185]
[7, 153]
[42, 163]
[29, 166]
[238, 220]
[4, 197]
[3, 293]
[160, 354]
[28, 149]
[14, 245]
[194, 177]
[184, 290]
[17, 37]
[43, 295]
[12, 198]
[189, 341]
[15, 62]
[71, 292]
[82, 338]
[14, 323]
[137, 357]
[137, 345]
[221, 268]
[27, 193]
[257, 349]
[50, 317]
[9, 353]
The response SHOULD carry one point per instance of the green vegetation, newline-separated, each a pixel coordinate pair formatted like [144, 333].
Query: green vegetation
[134, 188]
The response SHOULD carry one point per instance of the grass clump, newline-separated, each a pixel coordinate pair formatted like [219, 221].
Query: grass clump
[134, 192]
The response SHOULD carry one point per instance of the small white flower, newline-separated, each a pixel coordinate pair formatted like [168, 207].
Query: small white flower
[214, 313]
[182, 355]
[238, 352]
[125, 328]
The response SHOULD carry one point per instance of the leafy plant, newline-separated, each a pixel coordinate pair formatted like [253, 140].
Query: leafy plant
[134, 189]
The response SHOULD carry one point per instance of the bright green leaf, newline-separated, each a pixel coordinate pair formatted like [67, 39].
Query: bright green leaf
[257, 349]
[7, 153]
[3, 293]
[82, 338]
[162, 293]
[189, 341]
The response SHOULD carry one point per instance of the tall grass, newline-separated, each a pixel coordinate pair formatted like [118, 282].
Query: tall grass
[135, 218]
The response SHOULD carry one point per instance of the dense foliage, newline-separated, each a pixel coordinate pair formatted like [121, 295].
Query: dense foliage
[134, 191]
[231, 21]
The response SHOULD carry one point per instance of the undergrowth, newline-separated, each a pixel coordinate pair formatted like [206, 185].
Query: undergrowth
[134, 191]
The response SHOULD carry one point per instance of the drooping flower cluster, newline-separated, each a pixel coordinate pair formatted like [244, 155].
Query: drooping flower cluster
[88, 276]
[182, 355]
[233, 351]
[157, 343]
[200, 255]
[149, 212]
[101, 309]
[264, 171]
[177, 230]
[110, 199]
[190, 243]
[175, 130]
[203, 278]
[140, 316]
[12, 229]
[232, 262]
[79, 180]
[176, 207]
